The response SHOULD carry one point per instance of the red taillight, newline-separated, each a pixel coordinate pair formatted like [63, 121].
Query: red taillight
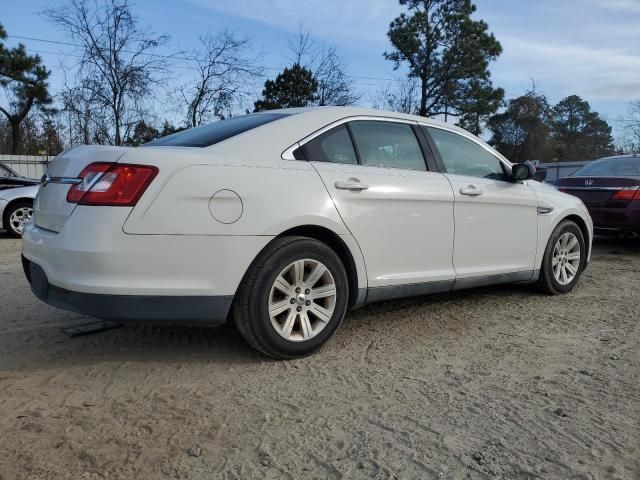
[112, 184]
[626, 194]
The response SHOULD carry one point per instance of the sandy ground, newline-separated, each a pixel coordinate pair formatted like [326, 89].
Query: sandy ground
[493, 383]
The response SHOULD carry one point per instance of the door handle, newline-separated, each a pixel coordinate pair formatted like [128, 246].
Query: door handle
[471, 191]
[352, 184]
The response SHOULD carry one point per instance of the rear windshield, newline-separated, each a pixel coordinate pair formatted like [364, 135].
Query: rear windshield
[207, 135]
[611, 167]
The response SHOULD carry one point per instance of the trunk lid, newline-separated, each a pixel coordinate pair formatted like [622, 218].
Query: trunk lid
[597, 191]
[51, 209]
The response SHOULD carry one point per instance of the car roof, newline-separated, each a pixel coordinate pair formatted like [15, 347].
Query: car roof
[328, 114]
[612, 157]
[297, 124]
[348, 111]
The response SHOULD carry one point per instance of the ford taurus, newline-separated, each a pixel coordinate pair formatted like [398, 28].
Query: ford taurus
[284, 220]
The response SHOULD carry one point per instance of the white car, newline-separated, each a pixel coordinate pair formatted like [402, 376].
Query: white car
[16, 208]
[283, 220]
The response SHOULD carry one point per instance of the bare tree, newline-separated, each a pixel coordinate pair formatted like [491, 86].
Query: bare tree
[401, 97]
[118, 67]
[223, 77]
[631, 126]
[329, 69]
[86, 119]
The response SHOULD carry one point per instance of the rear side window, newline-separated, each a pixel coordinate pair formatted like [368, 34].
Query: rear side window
[207, 135]
[387, 144]
[333, 146]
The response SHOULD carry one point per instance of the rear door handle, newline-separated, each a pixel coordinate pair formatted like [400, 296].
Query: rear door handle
[352, 184]
[471, 191]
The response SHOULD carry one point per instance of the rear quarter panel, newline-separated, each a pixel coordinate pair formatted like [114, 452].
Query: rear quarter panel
[275, 196]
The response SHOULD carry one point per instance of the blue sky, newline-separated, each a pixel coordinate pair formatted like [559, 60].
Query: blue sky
[587, 47]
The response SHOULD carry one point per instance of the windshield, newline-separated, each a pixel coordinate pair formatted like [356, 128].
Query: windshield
[6, 171]
[207, 135]
[611, 167]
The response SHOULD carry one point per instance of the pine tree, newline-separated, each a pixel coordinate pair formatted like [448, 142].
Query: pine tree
[449, 54]
[294, 87]
[25, 79]
[522, 131]
[578, 132]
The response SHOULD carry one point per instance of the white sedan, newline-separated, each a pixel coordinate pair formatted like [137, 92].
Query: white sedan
[16, 208]
[283, 220]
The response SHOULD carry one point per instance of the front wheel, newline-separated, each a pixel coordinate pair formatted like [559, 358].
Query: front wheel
[16, 216]
[564, 259]
[293, 298]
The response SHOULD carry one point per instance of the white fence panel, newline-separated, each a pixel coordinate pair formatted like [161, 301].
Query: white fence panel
[32, 166]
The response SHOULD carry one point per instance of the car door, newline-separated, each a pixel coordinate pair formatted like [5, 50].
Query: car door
[400, 213]
[496, 220]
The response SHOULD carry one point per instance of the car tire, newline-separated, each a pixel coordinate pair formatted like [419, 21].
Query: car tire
[559, 255]
[286, 317]
[23, 207]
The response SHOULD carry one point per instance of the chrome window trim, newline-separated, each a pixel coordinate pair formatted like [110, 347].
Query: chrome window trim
[288, 153]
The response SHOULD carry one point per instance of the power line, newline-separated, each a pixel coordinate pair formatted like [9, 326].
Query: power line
[65, 54]
[176, 56]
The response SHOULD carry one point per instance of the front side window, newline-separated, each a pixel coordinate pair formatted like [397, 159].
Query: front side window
[387, 144]
[333, 146]
[462, 156]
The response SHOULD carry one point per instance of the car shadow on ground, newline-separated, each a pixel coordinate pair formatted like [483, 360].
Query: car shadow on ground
[45, 345]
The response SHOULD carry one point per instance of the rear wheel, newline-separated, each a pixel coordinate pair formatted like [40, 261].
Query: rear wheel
[16, 216]
[564, 259]
[293, 298]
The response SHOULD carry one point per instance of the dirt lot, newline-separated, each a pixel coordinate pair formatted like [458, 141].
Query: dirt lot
[494, 383]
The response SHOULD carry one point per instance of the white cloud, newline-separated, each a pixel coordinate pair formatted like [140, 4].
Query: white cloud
[568, 46]
[597, 73]
[365, 21]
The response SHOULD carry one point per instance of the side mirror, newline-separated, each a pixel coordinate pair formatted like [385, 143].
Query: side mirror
[522, 171]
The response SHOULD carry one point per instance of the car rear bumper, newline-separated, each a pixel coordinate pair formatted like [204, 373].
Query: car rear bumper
[92, 267]
[609, 219]
[92, 254]
[207, 310]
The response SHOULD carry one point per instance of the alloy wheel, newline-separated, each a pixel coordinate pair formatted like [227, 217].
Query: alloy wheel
[302, 300]
[565, 260]
[19, 217]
